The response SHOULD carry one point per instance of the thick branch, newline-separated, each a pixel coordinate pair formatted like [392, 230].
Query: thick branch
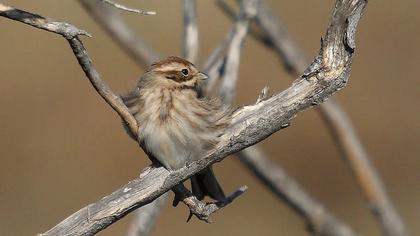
[327, 74]
[319, 220]
[190, 47]
[71, 33]
[121, 32]
[338, 123]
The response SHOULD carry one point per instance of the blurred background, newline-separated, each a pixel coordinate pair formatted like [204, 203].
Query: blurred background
[62, 147]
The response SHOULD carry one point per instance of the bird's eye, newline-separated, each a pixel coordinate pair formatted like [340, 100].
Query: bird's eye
[184, 72]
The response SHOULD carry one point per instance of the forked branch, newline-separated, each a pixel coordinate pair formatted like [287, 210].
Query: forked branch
[328, 73]
[275, 35]
[318, 219]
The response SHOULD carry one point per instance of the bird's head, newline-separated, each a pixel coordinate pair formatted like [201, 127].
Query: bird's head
[174, 72]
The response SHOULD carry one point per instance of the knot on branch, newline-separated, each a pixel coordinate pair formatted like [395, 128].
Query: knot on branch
[67, 30]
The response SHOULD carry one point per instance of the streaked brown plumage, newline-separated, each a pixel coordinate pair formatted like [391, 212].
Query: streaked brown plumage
[177, 126]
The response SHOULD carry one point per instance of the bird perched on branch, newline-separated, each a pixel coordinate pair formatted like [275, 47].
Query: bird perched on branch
[177, 124]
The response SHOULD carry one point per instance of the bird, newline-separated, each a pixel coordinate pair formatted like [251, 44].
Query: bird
[177, 123]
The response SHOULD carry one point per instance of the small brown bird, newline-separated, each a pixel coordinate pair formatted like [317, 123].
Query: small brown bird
[177, 125]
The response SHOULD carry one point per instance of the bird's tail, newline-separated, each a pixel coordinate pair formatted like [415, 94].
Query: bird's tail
[205, 184]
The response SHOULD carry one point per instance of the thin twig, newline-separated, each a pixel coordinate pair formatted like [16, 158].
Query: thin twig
[190, 47]
[339, 126]
[124, 8]
[145, 217]
[71, 33]
[203, 210]
[101, 87]
[121, 32]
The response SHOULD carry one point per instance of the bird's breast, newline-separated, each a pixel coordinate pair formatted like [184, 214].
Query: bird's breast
[174, 126]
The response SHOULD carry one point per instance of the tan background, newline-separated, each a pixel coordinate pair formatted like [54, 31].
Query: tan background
[61, 147]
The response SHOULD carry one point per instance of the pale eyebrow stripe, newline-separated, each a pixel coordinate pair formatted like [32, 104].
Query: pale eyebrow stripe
[173, 67]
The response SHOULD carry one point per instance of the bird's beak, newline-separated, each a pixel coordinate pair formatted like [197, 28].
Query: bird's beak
[202, 76]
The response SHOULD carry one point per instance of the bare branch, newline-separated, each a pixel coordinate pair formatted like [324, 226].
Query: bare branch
[327, 74]
[146, 217]
[190, 48]
[121, 32]
[101, 87]
[124, 8]
[318, 219]
[71, 33]
[231, 68]
[368, 178]
[203, 210]
[232, 42]
[65, 29]
[339, 126]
